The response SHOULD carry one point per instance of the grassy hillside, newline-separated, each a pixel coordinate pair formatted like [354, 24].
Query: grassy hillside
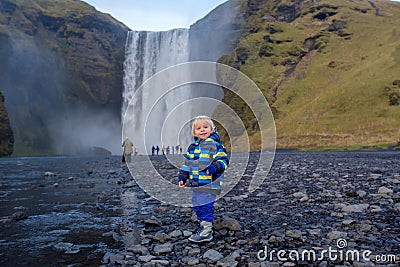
[329, 69]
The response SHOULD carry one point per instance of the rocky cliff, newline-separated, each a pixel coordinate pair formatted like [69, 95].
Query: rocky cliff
[217, 34]
[61, 71]
[6, 134]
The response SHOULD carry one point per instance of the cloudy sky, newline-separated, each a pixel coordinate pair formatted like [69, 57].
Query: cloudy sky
[156, 15]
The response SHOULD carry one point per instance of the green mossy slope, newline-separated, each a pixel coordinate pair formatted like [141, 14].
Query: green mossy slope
[330, 70]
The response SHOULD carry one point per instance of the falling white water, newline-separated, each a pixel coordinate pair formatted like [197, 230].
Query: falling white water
[146, 54]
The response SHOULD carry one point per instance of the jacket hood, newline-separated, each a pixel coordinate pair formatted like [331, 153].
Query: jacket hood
[215, 136]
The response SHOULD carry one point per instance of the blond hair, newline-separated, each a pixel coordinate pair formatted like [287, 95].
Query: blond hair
[202, 118]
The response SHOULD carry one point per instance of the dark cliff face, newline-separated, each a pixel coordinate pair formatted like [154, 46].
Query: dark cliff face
[61, 63]
[6, 134]
[216, 34]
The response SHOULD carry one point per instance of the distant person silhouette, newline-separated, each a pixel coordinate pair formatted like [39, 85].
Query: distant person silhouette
[128, 149]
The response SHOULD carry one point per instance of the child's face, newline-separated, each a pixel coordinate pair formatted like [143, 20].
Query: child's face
[202, 129]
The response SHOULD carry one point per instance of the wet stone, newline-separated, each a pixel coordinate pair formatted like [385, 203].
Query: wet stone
[161, 237]
[212, 256]
[146, 258]
[228, 223]
[19, 215]
[294, 233]
[187, 233]
[138, 249]
[194, 251]
[334, 235]
[355, 208]
[163, 248]
[63, 247]
[176, 233]
[160, 263]
[153, 221]
[384, 190]
[192, 261]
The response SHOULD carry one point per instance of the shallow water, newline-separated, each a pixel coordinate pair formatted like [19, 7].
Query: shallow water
[76, 204]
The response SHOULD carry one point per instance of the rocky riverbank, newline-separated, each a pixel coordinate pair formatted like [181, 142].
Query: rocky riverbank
[317, 209]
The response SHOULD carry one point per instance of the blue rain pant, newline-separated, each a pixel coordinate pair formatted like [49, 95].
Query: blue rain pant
[203, 205]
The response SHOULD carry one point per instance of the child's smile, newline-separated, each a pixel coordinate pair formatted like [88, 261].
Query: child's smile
[202, 129]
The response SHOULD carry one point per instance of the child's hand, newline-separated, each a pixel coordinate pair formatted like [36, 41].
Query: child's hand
[211, 169]
[181, 184]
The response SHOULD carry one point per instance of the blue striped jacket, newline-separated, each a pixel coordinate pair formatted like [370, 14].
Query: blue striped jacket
[203, 155]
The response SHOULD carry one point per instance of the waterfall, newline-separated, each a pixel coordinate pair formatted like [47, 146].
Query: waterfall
[150, 52]
[147, 53]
